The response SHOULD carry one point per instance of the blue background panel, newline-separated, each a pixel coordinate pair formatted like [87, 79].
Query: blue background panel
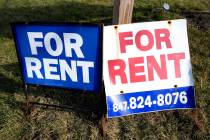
[91, 48]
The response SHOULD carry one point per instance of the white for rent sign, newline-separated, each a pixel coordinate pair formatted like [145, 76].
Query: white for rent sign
[146, 67]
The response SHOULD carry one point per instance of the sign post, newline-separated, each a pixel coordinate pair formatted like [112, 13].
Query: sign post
[122, 14]
[147, 68]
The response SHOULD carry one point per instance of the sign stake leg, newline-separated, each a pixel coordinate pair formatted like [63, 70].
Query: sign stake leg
[28, 106]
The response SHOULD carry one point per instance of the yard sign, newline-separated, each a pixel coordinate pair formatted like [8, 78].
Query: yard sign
[146, 67]
[60, 55]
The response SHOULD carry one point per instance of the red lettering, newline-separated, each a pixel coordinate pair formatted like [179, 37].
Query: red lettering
[153, 65]
[134, 70]
[119, 71]
[124, 42]
[150, 40]
[162, 35]
[176, 57]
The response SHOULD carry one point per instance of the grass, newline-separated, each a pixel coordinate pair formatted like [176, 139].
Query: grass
[45, 123]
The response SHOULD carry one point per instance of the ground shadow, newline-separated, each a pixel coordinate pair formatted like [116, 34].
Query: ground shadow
[70, 12]
[61, 12]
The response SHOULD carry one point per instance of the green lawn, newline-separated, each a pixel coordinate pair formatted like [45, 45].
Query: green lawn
[45, 123]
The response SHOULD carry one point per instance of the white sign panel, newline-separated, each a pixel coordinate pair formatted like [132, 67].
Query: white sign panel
[146, 67]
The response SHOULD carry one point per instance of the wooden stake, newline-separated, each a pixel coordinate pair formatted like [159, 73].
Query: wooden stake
[103, 125]
[122, 12]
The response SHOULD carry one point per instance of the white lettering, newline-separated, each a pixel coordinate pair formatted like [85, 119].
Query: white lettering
[49, 69]
[35, 68]
[85, 69]
[34, 44]
[58, 41]
[76, 46]
[72, 72]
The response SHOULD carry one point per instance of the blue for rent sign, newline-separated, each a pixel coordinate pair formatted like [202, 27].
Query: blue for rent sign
[60, 55]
